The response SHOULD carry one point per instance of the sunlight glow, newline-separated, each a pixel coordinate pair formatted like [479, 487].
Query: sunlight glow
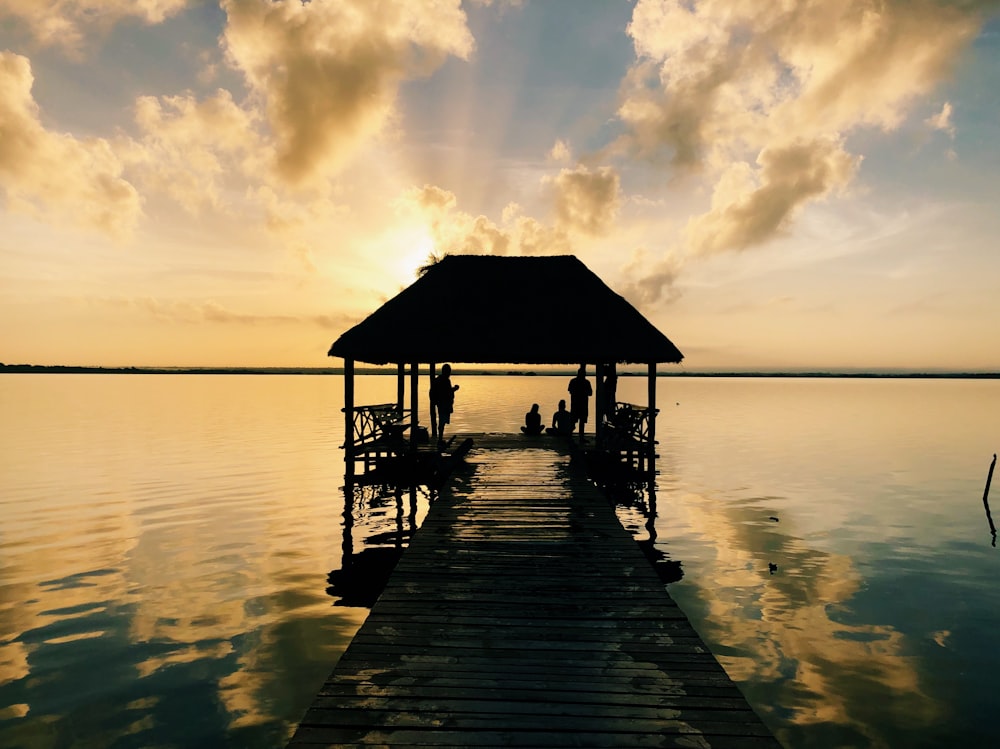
[414, 247]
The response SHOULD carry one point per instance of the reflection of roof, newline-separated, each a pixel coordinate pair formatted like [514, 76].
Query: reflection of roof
[519, 310]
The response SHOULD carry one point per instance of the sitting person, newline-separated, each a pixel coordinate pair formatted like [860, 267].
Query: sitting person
[562, 421]
[532, 421]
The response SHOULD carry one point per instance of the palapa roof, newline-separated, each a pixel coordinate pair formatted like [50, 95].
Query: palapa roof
[488, 309]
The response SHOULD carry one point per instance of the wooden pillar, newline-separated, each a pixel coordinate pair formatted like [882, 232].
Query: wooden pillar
[400, 387]
[599, 402]
[432, 370]
[349, 417]
[414, 404]
[651, 468]
[613, 371]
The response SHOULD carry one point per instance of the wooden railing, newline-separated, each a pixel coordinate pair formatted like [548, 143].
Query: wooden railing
[378, 428]
[631, 422]
[627, 433]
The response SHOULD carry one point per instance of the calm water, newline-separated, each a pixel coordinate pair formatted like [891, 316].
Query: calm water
[166, 541]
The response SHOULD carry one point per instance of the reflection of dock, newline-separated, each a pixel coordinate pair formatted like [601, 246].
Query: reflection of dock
[524, 614]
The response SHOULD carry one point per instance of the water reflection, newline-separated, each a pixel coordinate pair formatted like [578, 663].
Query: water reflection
[363, 574]
[161, 557]
[787, 637]
[175, 535]
[635, 505]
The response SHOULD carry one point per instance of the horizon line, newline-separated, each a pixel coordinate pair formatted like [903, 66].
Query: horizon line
[516, 370]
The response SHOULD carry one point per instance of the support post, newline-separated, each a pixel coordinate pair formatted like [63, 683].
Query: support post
[986, 499]
[652, 419]
[414, 404]
[349, 418]
[607, 395]
[432, 373]
[400, 387]
[599, 402]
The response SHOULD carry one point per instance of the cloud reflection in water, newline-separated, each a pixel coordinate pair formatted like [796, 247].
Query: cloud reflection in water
[784, 637]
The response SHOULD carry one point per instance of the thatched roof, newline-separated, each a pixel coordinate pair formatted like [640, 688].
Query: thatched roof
[519, 310]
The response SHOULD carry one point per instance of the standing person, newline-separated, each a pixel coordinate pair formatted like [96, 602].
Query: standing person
[443, 399]
[579, 397]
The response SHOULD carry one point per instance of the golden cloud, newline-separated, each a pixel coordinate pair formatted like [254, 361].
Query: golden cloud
[456, 232]
[46, 172]
[188, 147]
[753, 204]
[797, 643]
[211, 311]
[759, 97]
[586, 201]
[651, 280]
[211, 154]
[63, 22]
[942, 120]
[532, 237]
[327, 73]
[560, 151]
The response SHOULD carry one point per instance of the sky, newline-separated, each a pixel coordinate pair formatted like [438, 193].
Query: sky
[782, 185]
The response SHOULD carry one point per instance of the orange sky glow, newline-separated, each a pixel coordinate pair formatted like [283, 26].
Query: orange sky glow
[795, 185]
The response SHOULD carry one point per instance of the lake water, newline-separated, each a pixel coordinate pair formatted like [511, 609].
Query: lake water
[166, 540]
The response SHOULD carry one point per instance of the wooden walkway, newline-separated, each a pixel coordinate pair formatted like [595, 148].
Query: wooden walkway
[523, 614]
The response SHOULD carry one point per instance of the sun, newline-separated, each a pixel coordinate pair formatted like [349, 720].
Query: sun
[415, 249]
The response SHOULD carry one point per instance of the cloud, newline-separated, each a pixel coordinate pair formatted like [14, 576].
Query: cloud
[651, 280]
[453, 231]
[304, 255]
[284, 214]
[456, 232]
[327, 72]
[752, 204]
[586, 201]
[758, 98]
[63, 23]
[211, 311]
[433, 199]
[942, 121]
[188, 147]
[500, 3]
[53, 173]
[560, 152]
[209, 154]
[532, 237]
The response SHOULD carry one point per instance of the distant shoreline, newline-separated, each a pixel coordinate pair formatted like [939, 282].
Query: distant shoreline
[70, 369]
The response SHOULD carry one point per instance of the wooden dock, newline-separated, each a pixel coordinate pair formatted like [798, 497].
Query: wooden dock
[523, 614]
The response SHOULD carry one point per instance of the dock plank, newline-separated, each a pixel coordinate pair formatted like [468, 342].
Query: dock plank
[524, 614]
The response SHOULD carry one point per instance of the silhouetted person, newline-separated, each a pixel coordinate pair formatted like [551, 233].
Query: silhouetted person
[562, 421]
[579, 397]
[443, 398]
[532, 421]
